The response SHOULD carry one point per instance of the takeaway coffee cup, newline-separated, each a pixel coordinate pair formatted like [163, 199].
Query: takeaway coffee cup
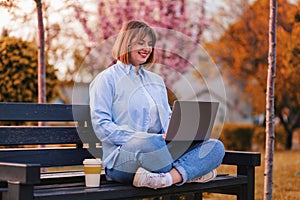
[92, 170]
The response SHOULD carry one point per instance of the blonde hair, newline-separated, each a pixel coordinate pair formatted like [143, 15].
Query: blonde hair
[130, 30]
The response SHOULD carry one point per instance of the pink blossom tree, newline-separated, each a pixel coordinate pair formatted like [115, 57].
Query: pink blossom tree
[184, 20]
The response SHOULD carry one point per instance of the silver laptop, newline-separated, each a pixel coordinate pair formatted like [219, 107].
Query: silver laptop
[191, 121]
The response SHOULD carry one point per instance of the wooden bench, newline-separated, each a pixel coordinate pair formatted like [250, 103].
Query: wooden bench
[45, 162]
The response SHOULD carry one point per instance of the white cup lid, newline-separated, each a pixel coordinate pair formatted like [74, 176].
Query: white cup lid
[91, 161]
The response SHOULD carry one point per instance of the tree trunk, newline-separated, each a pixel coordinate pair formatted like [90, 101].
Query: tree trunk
[289, 140]
[270, 114]
[41, 56]
[290, 123]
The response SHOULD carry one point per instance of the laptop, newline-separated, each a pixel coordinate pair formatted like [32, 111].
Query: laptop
[191, 121]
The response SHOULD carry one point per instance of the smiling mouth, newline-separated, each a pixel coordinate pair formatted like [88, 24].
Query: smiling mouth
[144, 54]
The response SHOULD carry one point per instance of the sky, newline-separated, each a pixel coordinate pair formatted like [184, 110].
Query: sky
[26, 5]
[4, 18]
[5, 21]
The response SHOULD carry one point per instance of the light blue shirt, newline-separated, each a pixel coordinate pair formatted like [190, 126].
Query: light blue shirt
[124, 103]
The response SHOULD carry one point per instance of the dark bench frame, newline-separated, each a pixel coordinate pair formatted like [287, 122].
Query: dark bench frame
[21, 177]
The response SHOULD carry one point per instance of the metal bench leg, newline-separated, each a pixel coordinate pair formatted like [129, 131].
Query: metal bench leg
[17, 191]
[247, 192]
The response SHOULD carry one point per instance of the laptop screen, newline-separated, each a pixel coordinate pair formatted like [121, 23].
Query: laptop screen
[192, 120]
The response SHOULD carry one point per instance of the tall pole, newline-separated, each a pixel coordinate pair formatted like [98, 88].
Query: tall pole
[41, 56]
[270, 113]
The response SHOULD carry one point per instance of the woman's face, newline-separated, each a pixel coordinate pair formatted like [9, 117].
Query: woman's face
[140, 50]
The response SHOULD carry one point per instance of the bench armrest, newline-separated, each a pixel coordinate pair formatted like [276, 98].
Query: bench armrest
[20, 173]
[242, 158]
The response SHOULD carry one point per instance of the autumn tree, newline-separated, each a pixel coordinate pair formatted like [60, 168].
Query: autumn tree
[242, 51]
[18, 72]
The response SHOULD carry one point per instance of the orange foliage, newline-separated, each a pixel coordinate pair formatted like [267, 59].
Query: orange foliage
[242, 53]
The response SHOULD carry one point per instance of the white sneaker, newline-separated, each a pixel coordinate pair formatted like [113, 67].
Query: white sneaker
[144, 178]
[205, 178]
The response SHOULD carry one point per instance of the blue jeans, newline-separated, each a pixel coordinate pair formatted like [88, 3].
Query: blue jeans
[151, 152]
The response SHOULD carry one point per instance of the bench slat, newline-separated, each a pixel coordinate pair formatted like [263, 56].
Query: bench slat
[242, 158]
[120, 191]
[46, 135]
[43, 112]
[38, 135]
[47, 157]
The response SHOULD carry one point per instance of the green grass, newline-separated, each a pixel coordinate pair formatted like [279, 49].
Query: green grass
[286, 177]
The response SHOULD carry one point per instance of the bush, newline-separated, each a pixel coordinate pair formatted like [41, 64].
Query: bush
[245, 137]
[19, 72]
[259, 137]
[237, 136]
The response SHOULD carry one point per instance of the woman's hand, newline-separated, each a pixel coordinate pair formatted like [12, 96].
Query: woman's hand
[164, 136]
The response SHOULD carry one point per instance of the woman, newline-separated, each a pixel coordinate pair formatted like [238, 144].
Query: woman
[130, 115]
